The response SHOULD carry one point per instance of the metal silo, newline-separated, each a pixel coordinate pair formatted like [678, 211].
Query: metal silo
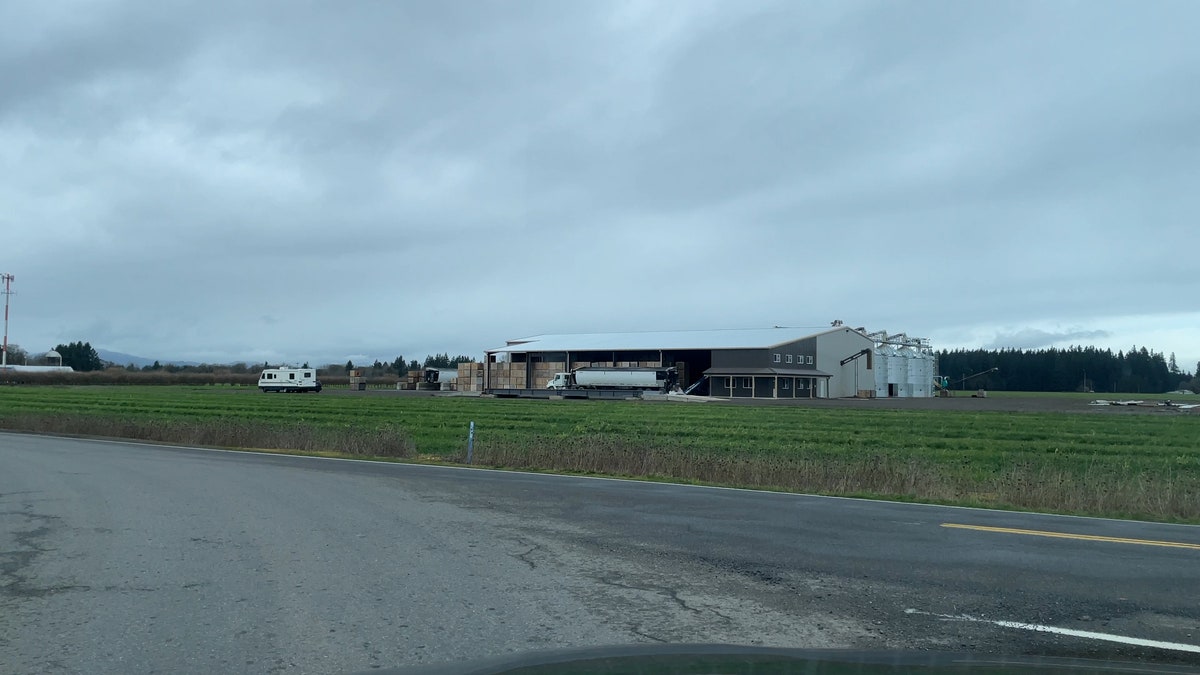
[881, 370]
[905, 356]
[897, 373]
[919, 373]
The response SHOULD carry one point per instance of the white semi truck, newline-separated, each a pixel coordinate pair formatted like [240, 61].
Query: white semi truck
[640, 379]
[289, 380]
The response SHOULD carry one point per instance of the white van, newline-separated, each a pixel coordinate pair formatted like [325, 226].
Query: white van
[289, 379]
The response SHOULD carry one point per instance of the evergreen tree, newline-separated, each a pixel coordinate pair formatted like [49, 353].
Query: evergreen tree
[1053, 369]
[80, 356]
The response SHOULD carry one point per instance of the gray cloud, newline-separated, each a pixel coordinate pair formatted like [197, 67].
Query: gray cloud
[1034, 338]
[414, 177]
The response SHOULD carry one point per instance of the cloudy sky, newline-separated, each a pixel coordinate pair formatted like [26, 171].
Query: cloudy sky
[220, 181]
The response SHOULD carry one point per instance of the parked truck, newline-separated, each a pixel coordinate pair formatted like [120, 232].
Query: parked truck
[444, 379]
[289, 380]
[639, 379]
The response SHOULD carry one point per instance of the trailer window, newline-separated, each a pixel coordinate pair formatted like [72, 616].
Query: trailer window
[291, 376]
[308, 374]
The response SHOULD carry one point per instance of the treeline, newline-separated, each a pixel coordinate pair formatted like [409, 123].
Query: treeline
[398, 365]
[1139, 370]
[83, 358]
[80, 356]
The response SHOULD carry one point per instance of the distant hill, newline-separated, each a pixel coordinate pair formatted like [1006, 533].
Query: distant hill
[121, 359]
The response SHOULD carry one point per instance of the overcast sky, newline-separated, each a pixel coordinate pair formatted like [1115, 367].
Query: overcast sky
[316, 181]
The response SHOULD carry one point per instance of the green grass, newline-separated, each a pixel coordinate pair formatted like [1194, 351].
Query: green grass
[1145, 466]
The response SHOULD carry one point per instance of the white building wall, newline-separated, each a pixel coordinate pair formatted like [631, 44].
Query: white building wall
[837, 344]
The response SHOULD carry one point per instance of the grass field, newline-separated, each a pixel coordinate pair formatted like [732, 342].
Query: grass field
[1144, 466]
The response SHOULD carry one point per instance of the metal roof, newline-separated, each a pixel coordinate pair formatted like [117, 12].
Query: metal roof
[786, 372]
[734, 338]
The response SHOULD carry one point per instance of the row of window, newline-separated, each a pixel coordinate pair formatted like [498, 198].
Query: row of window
[800, 358]
[275, 376]
[784, 383]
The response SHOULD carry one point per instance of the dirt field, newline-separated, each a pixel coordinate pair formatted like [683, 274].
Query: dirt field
[1001, 402]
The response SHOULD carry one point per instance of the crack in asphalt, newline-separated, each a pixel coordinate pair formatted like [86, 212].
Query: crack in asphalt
[524, 557]
[636, 629]
[14, 565]
[664, 591]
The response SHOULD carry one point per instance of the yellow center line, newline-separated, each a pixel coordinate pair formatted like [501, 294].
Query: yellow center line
[1068, 535]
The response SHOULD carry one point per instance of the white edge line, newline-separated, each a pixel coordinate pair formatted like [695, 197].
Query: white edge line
[1091, 635]
[284, 453]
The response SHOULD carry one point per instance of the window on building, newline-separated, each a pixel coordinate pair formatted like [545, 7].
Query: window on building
[777, 359]
[808, 359]
[789, 358]
[786, 385]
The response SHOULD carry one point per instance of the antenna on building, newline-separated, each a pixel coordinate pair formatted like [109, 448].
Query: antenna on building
[8, 279]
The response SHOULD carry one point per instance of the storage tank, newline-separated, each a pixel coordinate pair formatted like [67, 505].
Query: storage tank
[881, 370]
[905, 356]
[897, 371]
[931, 370]
[919, 373]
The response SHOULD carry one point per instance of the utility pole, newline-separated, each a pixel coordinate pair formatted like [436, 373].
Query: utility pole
[8, 279]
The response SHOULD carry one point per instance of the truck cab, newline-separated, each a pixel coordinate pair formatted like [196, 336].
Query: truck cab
[560, 381]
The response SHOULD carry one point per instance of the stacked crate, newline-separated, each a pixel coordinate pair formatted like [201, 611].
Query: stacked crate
[413, 379]
[544, 371]
[409, 379]
[357, 381]
[507, 376]
[470, 377]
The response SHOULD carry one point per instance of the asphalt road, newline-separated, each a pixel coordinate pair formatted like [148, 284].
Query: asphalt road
[121, 557]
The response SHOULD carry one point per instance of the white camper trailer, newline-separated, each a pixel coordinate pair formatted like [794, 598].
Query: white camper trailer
[289, 380]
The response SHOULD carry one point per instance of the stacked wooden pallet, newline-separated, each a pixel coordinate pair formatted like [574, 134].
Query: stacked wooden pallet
[470, 377]
[544, 371]
[507, 375]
